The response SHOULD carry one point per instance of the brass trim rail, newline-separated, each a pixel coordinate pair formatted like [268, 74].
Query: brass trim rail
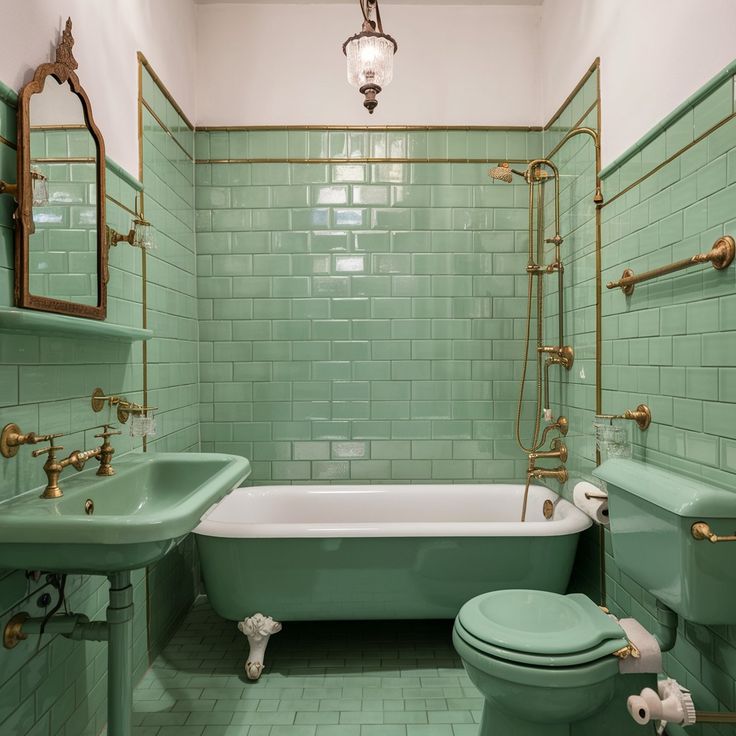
[720, 256]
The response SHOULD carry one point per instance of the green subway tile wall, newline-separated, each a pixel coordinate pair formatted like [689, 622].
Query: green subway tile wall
[672, 344]
[361, 321]
[59, 686]
[171, 309]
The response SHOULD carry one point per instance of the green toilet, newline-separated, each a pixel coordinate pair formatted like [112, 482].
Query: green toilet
[546, 665]
[551, 665]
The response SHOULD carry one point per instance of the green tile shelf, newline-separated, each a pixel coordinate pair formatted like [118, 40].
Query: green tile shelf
[55, 325]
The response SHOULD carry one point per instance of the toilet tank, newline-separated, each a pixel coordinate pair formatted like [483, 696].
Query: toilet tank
[652, 512]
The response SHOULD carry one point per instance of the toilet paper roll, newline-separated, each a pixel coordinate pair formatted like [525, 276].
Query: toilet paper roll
[584, 496]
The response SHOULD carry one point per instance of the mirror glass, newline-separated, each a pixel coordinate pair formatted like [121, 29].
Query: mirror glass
[62, 245]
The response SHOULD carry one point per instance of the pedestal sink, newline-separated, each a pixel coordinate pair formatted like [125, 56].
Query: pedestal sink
[110, 526]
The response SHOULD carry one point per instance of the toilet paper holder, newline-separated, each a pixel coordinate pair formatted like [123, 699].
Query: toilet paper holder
[601, 496]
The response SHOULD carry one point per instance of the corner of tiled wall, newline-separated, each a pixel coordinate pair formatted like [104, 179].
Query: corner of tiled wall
[59, 687]
[672, 343]
[171, 311]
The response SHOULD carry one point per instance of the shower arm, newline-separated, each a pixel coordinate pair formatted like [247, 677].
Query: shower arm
[598, 195]
[537, 162]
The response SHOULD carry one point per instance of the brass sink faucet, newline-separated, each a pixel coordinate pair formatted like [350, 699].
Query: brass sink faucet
[53, 467]
[12, 438]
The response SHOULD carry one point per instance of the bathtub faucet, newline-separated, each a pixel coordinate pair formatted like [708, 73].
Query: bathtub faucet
[559, 473]
[559, 451]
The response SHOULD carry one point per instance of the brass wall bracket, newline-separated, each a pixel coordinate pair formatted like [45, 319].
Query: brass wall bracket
[720, 256]
[642, 415]
[700, 530]
[11, 439]
[124, 407]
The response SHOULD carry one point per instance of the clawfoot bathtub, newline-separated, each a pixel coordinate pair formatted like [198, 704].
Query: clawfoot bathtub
[377, 552]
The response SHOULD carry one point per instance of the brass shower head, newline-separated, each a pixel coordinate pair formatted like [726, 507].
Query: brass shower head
[502, 172]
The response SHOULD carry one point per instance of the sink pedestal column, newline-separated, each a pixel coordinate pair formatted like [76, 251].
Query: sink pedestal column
[120, 655]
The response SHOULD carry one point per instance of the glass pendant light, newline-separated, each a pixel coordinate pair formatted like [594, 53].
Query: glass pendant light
[370, 56]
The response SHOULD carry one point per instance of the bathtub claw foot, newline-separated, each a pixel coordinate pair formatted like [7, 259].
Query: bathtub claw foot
[258, 628]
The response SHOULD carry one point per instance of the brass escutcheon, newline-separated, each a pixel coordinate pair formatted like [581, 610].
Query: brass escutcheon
[13, 631]
[89, 507]
[98, 400]
[7, 448]
[548, 509]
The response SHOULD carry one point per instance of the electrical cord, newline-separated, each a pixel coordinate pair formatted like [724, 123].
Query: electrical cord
[59, 583]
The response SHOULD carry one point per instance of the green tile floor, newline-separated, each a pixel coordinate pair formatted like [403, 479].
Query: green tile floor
[356, 678]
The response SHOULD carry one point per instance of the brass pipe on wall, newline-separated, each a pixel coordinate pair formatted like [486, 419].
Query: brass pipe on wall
[598, 195]
[534, 272]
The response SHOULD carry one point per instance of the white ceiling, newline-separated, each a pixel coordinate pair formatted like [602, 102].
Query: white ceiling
[386, 2]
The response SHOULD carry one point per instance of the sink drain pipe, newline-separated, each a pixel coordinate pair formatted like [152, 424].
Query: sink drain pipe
[117, 631]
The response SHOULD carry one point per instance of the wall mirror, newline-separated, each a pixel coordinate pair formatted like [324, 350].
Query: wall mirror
[61, 253]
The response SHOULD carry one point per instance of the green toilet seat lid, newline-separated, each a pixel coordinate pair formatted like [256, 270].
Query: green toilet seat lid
[539, 627]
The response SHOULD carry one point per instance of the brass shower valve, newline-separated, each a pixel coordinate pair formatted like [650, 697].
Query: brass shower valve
[563, 355]
[558, 450]
[560, 474]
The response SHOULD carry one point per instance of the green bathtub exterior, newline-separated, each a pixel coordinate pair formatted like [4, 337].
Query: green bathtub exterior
[374, 577]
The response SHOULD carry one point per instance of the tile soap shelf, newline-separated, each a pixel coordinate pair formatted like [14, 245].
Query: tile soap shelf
[28, 321]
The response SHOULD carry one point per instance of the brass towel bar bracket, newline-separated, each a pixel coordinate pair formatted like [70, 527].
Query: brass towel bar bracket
[700, 530]
[124, 407]
[720, 256]
[642, 415]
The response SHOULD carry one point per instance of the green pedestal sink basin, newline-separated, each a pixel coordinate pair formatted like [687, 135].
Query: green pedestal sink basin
[135, 516]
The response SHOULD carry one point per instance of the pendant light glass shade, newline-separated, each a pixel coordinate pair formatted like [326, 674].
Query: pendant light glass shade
[370, 57]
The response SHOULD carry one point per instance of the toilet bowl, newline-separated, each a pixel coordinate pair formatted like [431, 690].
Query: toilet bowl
[545, 664]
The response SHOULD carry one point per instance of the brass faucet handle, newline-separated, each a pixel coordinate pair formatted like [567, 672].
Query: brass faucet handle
[107, 431]
[50, 450]
[37, 438]
[560, 447]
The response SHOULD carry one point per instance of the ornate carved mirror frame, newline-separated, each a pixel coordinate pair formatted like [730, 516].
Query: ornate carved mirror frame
[63, 70]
